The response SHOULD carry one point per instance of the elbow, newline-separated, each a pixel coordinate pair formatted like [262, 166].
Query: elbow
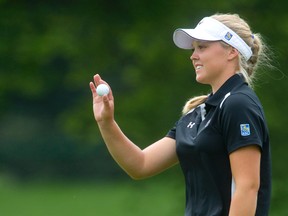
[253, 186]
[137, 172]
[251, 190]
[248, 187]
[137, 176]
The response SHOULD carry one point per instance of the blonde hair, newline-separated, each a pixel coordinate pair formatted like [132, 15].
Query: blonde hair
[246, 68]
[253, 40]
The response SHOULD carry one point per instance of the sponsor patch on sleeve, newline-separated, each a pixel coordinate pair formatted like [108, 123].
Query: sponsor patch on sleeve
[245, 129]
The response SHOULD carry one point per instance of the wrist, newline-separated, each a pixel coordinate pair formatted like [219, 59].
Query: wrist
[106, 124]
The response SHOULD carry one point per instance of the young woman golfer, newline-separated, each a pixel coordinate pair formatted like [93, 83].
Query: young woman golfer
[221, 141]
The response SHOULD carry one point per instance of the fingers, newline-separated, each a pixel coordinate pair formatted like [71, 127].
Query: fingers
[106, 102]
[103, 106]
[98, 81]
[93, 85]
[93, 89]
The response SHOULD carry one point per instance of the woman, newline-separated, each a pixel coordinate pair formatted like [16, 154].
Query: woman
[221, 141]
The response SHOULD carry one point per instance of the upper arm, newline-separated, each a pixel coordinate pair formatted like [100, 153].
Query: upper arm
[242, 122]
[245, 167]
[158, 157]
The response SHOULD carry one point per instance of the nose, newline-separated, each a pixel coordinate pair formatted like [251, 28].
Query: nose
[194, 55]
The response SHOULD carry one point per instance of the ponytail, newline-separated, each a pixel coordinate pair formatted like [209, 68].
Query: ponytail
[193, 102]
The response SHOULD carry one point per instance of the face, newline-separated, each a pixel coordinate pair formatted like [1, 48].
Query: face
[210, 60]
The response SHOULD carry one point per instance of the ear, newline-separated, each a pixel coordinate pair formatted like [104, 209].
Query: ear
[232, 53]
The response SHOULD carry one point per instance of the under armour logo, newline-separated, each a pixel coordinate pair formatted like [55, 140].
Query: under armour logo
[190, 125]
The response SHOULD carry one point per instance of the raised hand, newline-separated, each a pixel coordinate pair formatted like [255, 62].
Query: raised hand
[103, 106]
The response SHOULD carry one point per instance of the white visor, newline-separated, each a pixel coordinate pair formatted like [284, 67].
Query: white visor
[209, 29]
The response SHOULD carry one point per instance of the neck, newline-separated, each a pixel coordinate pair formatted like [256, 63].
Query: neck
[219, 82]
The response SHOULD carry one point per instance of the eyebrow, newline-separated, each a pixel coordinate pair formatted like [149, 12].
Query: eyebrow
[199, 42]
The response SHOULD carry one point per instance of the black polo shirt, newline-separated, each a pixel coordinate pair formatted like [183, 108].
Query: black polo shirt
[230, 119]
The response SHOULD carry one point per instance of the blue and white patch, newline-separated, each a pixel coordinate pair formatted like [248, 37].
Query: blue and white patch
[245, 129]
[228, 36]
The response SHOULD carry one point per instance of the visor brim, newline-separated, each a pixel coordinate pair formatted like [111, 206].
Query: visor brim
[183, 38]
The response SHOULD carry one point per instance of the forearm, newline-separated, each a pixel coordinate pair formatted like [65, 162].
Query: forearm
[244, 202]
[137, 163]
[128, 155]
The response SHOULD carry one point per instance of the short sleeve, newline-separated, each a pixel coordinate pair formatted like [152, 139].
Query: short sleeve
[242, 122]
[172, 132]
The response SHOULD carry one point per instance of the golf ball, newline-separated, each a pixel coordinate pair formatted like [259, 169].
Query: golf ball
[102, 89]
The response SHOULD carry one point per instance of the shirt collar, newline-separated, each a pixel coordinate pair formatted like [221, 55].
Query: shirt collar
[231, 83]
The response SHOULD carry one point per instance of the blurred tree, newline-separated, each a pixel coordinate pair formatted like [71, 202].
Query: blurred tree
[50, 50]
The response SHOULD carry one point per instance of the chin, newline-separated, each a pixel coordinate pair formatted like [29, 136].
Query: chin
[200, 80]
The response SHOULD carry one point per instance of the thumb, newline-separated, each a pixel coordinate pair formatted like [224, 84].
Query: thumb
[106, 101]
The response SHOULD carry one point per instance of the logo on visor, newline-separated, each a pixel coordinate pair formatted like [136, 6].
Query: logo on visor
[245, 129]
[228, 36]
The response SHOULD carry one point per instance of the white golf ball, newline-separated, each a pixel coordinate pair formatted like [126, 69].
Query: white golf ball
[102, 89]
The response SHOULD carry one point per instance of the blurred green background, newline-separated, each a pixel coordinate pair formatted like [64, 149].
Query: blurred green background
[52, 159]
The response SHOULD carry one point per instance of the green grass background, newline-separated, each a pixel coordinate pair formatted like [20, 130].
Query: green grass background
[137, 198]
[153, 197]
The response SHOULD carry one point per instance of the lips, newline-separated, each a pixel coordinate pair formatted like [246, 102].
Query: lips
[198, 66]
